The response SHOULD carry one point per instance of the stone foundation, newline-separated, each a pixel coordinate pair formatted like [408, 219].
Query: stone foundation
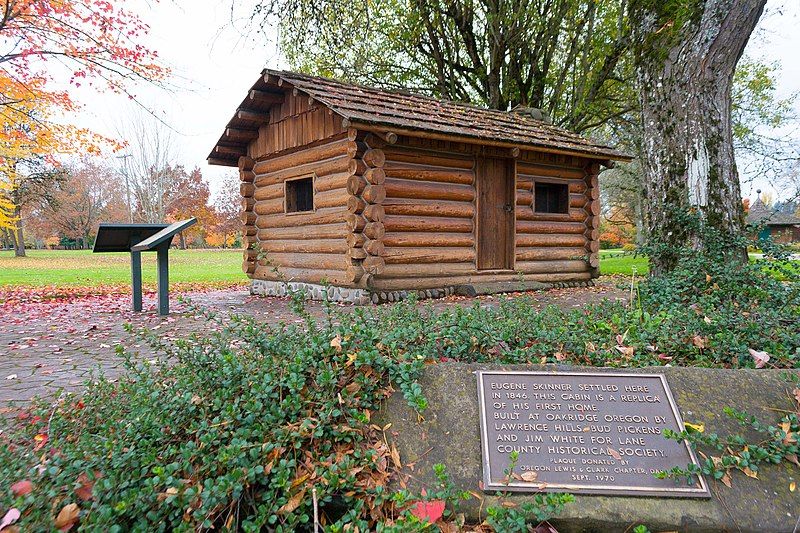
[365, 296]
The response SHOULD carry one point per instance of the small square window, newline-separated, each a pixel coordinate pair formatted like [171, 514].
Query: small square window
[551, 198]
[300, 195]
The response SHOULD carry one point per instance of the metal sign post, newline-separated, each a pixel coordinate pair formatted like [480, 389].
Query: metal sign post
[138, 238]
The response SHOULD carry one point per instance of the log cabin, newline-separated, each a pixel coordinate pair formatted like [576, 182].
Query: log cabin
[371, 194]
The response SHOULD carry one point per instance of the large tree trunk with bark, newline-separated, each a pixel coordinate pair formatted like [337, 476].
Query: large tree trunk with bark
[685, 72]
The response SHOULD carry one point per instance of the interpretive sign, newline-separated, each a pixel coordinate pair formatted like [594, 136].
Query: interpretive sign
[585, 433]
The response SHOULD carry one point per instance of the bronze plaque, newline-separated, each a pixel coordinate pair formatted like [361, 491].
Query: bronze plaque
[585, 433]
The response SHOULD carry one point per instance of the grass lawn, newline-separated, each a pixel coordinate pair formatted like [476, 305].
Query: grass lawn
[83, 268]
[617, 262]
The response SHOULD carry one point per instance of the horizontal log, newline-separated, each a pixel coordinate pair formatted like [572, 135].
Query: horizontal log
[550, 254]
[250, 255]
[374, 213]
[594, 246]
[547, 267]
[245, 164]
[246, 189]
[332, 198]
[337, 261]
[401, 188]
[423, 157]
[428, 239]
[323, 231]
[533, 170]
[250, 231]
[339, 164]
[356, 222]
[356, 253]
[247, 175]
[428, 270]
[594, 193]
[356, 185]
[525, 240]
[316, 246]
[320, 216]
[354, 273]
[305, 275]
[356, 240]
[373, 265]
[269, 207]
[331, 181]
[340, 147]
[536, 226]
[409, 255]
[374, 194]
[355, 205]
[375, 230]
[375, 176]
[577, 200]
[248, 218]
[594, 260]
[236, 134]
[269, 192]
[594, 207]
[380, 139]
[425, 173]
[248, 267]
[574, 215]
[593, 235]
[433, 208]
[252, 115]
[375, 248]
[396, 223]
[265, 98]
[230, 149]
[593, 222]
[409, 279]
[248, 203]
[373, 157]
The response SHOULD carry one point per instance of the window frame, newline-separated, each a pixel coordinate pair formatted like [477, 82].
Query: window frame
[313, 178]
[558, 182]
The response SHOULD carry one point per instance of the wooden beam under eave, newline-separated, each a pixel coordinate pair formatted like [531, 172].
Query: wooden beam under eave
[222, 162]
[232, 150]
[263, 97]
[240, 134]
[250, 114]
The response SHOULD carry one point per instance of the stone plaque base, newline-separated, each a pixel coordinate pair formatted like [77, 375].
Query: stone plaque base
[450, 434]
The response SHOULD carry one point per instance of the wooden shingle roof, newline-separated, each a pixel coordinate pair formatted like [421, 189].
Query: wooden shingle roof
[412, 114]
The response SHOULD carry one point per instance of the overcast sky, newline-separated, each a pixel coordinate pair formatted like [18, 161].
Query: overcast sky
[213, 66]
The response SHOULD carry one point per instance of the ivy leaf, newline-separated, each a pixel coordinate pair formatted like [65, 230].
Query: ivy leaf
[429, 511]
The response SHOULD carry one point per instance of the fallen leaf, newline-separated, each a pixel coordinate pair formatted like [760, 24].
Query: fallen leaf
[430, 511]
[613, 453]
[293, 503]
[336, 343]
[749, 473]
[726, 479]
[395, 456]
[67, 517]
[529, 476]
[40, 440]
[627, 351]
[761, 358]
[9, 518]
[84, 491]
[696, 427]
[21, 488]
[560, 356]
[792, 486]
[700, 342]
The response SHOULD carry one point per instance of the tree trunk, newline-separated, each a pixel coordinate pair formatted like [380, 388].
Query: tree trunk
[182, 241]
[19, 237]
[685, 71]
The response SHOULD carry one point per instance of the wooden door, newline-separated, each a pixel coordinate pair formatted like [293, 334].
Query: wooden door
[495, 213]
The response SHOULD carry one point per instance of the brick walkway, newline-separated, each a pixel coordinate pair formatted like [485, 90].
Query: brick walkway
[45, 347]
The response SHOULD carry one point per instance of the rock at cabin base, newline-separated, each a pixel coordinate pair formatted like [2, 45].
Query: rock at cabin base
[450, 434]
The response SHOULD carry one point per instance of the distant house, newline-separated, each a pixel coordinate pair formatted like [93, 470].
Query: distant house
[782, 227]
[380, 193]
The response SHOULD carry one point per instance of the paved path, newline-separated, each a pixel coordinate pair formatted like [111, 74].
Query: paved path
[47, 346]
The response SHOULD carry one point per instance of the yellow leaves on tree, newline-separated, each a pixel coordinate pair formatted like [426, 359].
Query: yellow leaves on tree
[45, 41]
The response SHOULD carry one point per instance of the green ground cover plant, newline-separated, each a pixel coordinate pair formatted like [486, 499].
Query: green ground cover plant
[260, 427]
